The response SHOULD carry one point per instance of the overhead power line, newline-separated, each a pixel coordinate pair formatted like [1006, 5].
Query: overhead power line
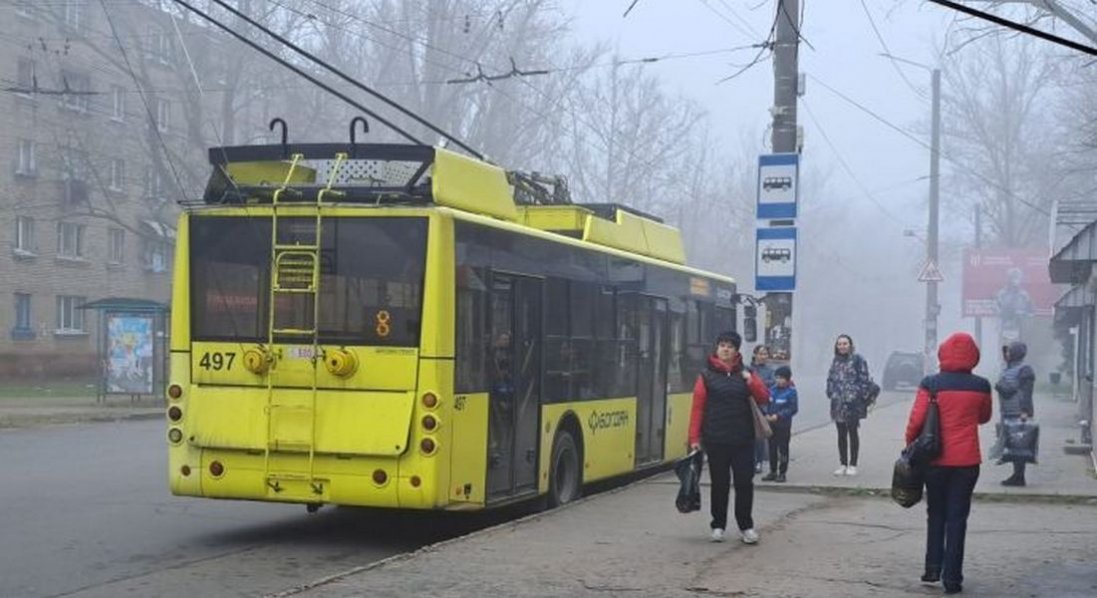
[986, 16]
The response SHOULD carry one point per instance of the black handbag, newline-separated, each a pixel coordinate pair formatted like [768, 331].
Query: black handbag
[908, 477]
[688, 470]
[927, 446]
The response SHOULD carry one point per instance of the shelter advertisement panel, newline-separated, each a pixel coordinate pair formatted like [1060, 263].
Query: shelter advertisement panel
[129, 354]
[1011, 284]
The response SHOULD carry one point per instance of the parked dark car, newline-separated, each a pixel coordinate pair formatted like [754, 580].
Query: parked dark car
[903, 369]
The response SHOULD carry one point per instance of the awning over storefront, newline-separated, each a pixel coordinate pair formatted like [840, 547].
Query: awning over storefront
[1073, 264]
[1077, 297]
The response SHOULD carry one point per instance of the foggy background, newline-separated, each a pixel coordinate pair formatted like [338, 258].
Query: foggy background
[666, 110]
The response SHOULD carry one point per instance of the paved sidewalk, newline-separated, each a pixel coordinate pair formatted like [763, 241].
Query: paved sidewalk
[821, 536]
[815, 454]
[41, 411]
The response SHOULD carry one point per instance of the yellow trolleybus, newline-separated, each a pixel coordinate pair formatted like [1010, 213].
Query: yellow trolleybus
[403, 326]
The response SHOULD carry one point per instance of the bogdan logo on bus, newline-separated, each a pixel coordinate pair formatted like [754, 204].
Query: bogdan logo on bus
[609, 419]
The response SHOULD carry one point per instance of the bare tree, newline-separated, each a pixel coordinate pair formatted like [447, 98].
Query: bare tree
[999, 135]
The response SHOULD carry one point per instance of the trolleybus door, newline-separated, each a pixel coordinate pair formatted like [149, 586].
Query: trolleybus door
[515, 396]
[651, 392]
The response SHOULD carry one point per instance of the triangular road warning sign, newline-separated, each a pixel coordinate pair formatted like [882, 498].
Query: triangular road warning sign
[930, 273]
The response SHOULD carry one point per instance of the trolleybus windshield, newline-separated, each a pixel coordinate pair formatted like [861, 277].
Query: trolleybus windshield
[371, 282]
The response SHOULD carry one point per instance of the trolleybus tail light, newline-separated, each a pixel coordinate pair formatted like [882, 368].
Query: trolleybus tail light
[175, 435]
[430, 400]
[380, 477]
[175, 413]
[429, 423]
[415, 481]
[427, 445]
[216, 469]
[175, 391]
[185, 470]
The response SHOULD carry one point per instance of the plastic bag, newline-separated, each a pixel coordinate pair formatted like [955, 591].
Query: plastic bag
[1020, 441]
[688, 470]
[907, 481]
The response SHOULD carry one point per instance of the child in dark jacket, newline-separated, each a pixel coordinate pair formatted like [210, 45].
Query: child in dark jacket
[782, 406]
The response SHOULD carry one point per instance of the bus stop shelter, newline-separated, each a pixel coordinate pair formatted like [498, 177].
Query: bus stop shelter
[132, 347]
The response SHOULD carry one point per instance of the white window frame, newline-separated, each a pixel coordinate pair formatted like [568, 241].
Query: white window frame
[73, 163]
[156, 254]
[77, 82]
[117, 181]
[74, 12]
[27, 164]
[116, 246]
[24, 236]
[69, 319]
[163, 114]
[26, 80]
[23, 310]
[70, 240]
[154, 183]
[118, 103]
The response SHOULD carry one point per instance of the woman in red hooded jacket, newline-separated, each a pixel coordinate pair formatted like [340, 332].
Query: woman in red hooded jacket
[964, 402]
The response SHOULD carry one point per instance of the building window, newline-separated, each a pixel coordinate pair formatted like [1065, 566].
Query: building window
[162, 49]
[117, 241]
[23, 8]
[156, 255]
[118, 103]
[73, 162]
[154, 183]
[27, 78]
[117, 174]
[27, 165]
[74, 13]
[22, 329]
[70, 320]
[24, 236]
[70, 240]
[77, 91]
[163, 114]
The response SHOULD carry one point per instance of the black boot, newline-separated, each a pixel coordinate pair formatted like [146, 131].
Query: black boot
[770, 477]
[931, 575]
[1013, 481]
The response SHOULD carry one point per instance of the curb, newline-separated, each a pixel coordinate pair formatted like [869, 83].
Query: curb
[506, 525]
[24, 421]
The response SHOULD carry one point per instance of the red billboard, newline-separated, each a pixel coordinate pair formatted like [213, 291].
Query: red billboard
[1007, 283]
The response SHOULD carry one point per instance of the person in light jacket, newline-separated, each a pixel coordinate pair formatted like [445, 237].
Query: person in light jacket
[848, 384]
[963, 403]
[759, 364]
[722, 424]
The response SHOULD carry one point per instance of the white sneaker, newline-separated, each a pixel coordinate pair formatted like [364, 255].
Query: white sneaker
[749, 536]
[851, 470]
[717, 535]
[840, 471]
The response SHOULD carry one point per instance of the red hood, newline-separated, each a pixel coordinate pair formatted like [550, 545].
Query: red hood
[716, 364]
[958, 353]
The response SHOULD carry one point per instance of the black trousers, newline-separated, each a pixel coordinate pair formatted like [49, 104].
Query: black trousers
[778, 445]
[725, 463]
[849, 442]
[948, 503]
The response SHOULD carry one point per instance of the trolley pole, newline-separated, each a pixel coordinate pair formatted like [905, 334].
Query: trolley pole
[784, 138]
[932, 308]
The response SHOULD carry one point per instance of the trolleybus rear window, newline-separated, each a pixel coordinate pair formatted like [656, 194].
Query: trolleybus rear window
[371, 282]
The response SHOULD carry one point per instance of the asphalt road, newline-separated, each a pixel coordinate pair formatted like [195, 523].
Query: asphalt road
[86, 512]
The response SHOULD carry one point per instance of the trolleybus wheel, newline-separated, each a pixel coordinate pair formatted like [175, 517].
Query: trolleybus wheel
[565, 483]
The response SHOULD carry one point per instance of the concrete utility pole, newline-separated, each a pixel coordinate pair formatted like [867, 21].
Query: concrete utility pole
[978, 245]
[932, 308]
[786, 75]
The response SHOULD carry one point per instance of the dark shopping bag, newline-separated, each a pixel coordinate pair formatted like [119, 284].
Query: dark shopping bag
[688, 470]
[907, 481]
[927, 446]
[1020, 441]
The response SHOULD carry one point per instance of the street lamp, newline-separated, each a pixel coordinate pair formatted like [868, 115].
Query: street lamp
[932, 308]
